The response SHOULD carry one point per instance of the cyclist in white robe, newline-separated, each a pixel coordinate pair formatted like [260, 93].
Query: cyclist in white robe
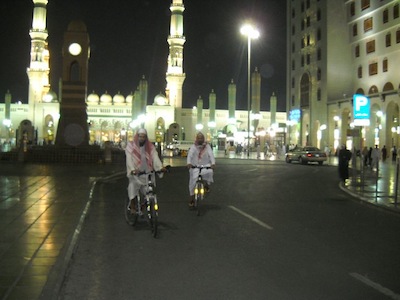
[141, 156]
[200, 154]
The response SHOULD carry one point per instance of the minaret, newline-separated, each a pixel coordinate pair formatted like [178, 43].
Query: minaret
[137, 106]
[143, 88]
[38, 71]
[255, 91]
[175, 76]
[199, 113]
[272, 109]
[212, 99]
[255, 97]
[232, 103]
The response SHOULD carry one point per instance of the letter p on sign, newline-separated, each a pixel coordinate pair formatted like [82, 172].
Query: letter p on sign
[361, 102]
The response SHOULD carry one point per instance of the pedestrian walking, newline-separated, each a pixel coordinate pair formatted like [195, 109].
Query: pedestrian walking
[364, 154]
[376, 156]
[327, 151]
[394, 154]
[384, 153]
[344, 157]
[370, 156]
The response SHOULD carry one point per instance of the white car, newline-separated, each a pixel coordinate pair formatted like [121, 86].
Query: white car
[305, 155]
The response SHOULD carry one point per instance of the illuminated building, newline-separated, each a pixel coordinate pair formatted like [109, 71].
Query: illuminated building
[113, 117]
[337, 49]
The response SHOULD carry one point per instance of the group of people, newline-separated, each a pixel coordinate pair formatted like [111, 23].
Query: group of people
[372, 156]
[141, 156]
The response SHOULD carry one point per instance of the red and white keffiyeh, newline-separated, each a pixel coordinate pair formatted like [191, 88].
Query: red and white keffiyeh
[134, 148]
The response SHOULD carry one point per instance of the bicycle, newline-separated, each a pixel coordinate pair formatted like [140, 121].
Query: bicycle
[199, 188]
[146, 203]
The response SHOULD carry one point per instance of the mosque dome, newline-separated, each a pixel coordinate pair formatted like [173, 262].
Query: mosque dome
[160, 99]
[129, 98]
[106, 98]
[118, 98]
[93, 98]
[50, 96]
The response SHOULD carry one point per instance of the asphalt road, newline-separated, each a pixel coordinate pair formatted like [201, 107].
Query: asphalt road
[268, 230]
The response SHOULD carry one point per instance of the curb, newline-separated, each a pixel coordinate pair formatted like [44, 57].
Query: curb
[54, 287]
[364, 200]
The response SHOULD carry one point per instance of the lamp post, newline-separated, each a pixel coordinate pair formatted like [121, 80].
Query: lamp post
[251, 33]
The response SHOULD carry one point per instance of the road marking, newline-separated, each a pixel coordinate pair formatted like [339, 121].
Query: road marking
[376, 286]
[255, 220]
[249, 170]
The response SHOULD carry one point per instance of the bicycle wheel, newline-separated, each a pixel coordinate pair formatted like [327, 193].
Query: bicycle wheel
[152, 211]
[198, 196]
[130, 218]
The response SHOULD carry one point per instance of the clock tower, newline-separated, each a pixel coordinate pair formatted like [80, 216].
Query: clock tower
[73, 127]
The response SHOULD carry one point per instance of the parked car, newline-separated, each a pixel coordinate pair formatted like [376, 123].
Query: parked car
[305, 155]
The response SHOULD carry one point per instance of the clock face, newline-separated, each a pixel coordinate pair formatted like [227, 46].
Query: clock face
[74, 49]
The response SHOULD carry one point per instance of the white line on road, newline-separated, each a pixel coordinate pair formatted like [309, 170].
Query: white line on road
[376, 286]
[255, 220]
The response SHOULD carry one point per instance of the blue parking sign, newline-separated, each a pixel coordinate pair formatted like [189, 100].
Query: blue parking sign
[361, 110]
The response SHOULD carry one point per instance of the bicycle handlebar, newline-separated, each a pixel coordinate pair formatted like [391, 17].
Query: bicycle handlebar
[167, 170]
[201, 167]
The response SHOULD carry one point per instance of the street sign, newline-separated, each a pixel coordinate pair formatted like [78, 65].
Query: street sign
[361, 110]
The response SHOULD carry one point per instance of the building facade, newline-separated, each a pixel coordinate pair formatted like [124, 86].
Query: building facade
[337, 49]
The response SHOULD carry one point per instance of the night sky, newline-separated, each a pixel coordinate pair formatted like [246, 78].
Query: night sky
[128, 40]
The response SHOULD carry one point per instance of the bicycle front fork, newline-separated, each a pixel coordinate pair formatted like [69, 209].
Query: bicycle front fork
[151, 200]
[199, 190]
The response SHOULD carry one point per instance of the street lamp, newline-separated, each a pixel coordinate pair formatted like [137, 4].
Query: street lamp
[251, 33]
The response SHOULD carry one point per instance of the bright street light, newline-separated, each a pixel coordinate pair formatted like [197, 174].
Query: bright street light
[251, 33]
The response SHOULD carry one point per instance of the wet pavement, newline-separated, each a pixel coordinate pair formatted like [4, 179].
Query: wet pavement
[42, 209]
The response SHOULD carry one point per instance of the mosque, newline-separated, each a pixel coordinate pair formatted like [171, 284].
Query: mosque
[72, 117]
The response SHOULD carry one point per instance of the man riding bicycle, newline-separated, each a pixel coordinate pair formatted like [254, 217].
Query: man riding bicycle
[200, 153]
[141, 156]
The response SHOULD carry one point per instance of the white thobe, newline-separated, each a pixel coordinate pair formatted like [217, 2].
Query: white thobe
[205, 159]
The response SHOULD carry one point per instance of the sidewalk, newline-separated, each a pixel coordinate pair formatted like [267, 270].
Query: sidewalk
[40, 211]
[376, 187]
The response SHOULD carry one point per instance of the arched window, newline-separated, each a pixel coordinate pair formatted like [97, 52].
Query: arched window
[74, 72]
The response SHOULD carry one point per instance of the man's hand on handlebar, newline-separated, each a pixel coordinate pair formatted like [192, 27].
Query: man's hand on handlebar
[202, 167]
[166, 169]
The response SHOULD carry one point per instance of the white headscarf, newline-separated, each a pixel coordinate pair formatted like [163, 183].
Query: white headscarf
[142, 131]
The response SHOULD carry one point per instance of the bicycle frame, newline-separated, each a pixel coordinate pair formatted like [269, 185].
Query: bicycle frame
[199, 190]
[147, 196]
[199, 187]
[150, 194]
